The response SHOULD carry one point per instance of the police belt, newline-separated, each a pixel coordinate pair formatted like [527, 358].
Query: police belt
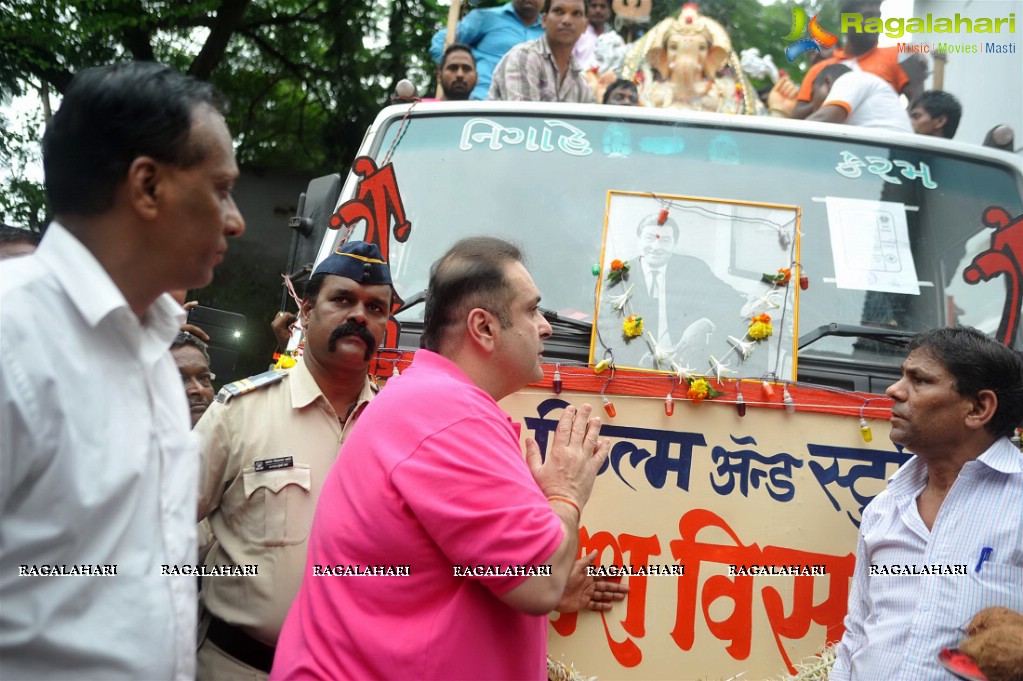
[240, 645]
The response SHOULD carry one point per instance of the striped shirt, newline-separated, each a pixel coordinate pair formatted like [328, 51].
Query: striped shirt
[528, 74]
[898, 623]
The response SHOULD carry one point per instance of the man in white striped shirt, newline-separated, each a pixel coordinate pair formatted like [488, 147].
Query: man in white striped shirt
[945, 540]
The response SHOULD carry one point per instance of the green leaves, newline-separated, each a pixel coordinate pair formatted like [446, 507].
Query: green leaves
[302, 79]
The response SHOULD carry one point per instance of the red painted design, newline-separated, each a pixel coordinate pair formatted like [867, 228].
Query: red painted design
[377, 201]
[1005, 256]
[698, 594]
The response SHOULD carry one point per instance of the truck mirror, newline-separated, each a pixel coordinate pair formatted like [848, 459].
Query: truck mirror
[315, 207]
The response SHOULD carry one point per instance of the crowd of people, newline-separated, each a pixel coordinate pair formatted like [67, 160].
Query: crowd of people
[113, 448]
[522, 52]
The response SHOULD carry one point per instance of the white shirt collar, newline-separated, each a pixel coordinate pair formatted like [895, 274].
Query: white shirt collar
[96, 296]
[1001, 456]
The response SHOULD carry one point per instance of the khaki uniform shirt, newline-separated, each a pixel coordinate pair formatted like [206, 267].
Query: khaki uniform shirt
[262, 517]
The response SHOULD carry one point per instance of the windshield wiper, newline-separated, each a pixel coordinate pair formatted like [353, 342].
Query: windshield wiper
[891, 336]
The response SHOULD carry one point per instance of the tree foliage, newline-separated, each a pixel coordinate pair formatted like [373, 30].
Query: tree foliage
[302, 79]
[22, 201]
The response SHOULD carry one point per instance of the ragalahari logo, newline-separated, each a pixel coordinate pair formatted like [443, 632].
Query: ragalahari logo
[818, 37]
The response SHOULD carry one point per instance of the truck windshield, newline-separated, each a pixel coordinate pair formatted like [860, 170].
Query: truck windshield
[543, 181]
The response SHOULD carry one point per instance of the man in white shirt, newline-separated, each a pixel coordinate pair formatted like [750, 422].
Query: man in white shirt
[841, 95]
[98, 469]
[598, 16]
[945, 539]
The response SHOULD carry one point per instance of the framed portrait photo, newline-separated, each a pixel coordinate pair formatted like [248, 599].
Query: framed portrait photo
[698, 285]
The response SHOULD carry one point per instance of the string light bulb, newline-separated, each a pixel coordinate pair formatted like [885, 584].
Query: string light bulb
[601, 366]
[662, 217]
[790, 404]
[804, 281]
[558, 386]
[740, 404]
[609, 406]
[669, 405]
[865, 430]
[768, 390]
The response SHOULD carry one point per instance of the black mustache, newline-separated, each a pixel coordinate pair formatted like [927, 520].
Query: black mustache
[352, 329]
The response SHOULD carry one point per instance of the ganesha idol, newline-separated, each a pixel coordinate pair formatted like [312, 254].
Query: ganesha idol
[687, 62]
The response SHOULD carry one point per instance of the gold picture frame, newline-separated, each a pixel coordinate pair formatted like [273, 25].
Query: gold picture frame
[697, 270]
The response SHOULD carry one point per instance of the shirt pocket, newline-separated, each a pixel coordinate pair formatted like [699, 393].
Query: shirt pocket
[995, 584]
[278, 505]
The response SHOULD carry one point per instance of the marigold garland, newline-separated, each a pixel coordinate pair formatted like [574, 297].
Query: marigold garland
[619, 272]
[632, 327]
[760, 327]
[700, 389]
[285, 362]
[782, 278]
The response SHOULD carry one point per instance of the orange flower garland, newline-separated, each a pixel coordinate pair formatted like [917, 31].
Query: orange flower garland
[632, 327]
[760, 327]
[619, 272]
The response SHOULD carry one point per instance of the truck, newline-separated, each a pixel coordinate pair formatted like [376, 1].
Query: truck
[742, 455]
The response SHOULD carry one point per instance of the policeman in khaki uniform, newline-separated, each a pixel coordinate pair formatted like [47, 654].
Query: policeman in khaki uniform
[267, 443]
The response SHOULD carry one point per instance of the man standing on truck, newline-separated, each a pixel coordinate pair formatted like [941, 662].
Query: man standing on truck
[268, 443]
[841, 95]
[97, 465]
[491, 32]
[861, 53]
[936, 113]
[467, 545]
[598, 23]
[621, 92]
[955, 510]
[457, 73]
[544, 70]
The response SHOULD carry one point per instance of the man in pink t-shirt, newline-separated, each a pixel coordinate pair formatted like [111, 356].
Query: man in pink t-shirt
[466, 544]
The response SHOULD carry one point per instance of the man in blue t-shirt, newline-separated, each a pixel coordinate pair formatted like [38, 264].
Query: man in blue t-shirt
[491, 32]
